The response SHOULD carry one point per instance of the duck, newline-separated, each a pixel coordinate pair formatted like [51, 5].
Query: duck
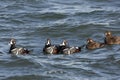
[50, 48]
[66, 49]
[91, 44]
[71, 50]
[109, 39]
[63, 45]
[17, 50]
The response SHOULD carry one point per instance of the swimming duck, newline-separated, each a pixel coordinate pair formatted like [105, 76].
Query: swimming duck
[49, 48]
[15, 50]
[71, 50]
[66, 49]
[109, 39]
[63, 45]
[91, 44]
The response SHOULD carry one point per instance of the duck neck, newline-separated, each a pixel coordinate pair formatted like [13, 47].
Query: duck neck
[48, 43]
[11, 47]
[108, 36]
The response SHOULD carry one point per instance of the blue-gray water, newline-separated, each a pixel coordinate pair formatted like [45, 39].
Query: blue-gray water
[31, 22]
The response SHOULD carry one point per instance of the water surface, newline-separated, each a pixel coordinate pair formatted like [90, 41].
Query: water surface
[31, 22]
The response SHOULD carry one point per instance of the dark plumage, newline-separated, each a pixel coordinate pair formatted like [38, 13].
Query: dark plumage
[15, 50]
[49, 48]
[91, 44]
[62, 46]
[66, 49]
[109, 39]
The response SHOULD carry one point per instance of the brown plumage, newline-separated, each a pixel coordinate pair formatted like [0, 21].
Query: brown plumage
[91, 44]
[109, 39]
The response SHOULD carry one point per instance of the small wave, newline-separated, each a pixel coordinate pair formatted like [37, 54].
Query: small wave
[52, 15]
[98, 23]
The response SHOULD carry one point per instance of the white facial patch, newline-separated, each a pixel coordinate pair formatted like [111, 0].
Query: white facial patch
[48, 42]
[77, 47]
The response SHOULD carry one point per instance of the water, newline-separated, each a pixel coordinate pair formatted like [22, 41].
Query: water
[31, 22]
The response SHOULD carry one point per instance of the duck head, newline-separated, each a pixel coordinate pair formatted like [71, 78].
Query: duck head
[89, 40]
[108, 34]
[64, 43]
[12, 41]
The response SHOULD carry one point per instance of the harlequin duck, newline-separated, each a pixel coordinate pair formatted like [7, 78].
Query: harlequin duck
[66, 49]
[91, 44]
[63, 45]
[109, 39]
[49, 48]
[15, 50]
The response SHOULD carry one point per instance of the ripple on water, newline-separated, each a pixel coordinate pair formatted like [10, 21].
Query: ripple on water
[32, 77]
[31, 22]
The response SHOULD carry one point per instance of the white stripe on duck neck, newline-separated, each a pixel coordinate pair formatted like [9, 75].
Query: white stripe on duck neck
[48, 42]
[64, 43]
